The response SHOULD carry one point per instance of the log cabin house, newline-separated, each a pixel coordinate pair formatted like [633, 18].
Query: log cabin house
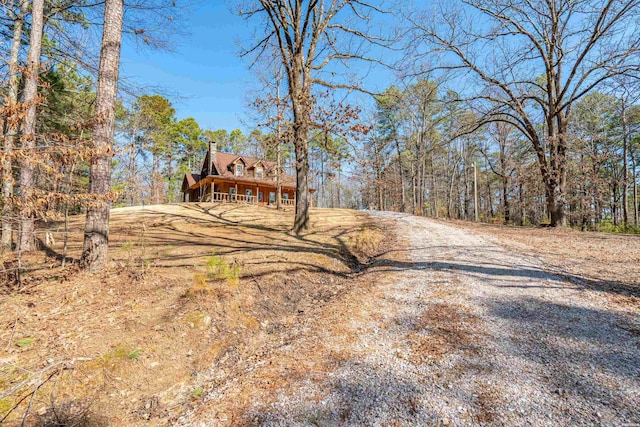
[227, 177]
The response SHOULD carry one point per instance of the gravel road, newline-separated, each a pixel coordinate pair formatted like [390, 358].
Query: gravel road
[460, 332]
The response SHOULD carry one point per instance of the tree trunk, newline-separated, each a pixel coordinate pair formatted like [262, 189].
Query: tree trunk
[414, 190]
[505, 199]
[96, 235]
[520, 205]
[11, 130]
[625, 168]
[555, 173]
[131, 172]
[155, 179]
[434, 190]
[476, 216]
[614, 203]
[379, 180]
[505, 181]
[636, 205]
[300, 134]
[555, 204]
[489, 206]
[27, 173]
[403, 200]
[278, 153]
[278, 172]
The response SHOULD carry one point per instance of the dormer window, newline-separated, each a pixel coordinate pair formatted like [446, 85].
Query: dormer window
[259, 172]
[239, 169]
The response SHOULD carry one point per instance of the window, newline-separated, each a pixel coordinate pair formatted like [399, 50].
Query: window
[239, 168]
[260, 196]
[286, 196]
[259, 173]
[249, 193]
[272, 197]
[232, 194]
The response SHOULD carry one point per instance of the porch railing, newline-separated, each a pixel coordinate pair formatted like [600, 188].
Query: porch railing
[242, 198]
[220, 197]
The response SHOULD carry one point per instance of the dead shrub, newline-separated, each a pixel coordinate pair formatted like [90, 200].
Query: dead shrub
[73, 413]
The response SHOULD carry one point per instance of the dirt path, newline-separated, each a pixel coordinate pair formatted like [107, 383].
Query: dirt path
[463, 333]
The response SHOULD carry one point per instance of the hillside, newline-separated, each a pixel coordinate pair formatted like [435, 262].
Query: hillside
[189, 285]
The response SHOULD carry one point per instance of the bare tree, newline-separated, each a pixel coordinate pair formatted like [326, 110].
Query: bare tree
[310, 36]
[96, 235]
[504, 168]
[270, 109]
[531, 61]
[27, 175]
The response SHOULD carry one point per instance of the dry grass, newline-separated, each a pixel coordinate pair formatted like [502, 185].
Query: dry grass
[366, 242]
[189, 286]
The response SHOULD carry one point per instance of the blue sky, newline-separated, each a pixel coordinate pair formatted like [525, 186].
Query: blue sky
[204, 76]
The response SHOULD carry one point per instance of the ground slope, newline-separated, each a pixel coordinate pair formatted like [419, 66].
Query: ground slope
[190, 289]
[446, 328]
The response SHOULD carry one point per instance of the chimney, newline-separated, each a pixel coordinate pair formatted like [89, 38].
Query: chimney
[213, 149]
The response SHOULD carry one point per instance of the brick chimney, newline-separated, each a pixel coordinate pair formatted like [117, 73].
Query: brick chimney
[213, 149]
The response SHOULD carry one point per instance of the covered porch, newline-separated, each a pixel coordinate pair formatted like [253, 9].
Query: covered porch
[225, 190]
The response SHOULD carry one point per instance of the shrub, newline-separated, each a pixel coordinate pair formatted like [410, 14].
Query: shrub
[75, 413]
[607, 226]
[218, 268]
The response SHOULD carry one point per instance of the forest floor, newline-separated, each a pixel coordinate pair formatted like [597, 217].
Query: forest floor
[387, 320]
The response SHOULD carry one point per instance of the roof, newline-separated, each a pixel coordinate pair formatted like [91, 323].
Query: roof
[223, 167]
[189, 180]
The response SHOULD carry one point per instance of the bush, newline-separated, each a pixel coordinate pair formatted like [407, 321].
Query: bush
[218, 268]
[607, 226]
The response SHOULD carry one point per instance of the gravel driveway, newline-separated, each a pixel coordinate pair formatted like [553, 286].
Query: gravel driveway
[459, 332]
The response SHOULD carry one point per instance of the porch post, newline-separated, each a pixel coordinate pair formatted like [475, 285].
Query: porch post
[257, 192]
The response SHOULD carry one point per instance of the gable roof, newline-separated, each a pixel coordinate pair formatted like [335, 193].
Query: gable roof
[189, 180]
[222, 166]
[235, 161]
[254, 165]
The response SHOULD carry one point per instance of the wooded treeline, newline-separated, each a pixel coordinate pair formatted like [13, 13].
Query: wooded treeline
[421, 164]
[517, 89]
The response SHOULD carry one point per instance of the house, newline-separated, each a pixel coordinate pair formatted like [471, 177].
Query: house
[227, 177]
